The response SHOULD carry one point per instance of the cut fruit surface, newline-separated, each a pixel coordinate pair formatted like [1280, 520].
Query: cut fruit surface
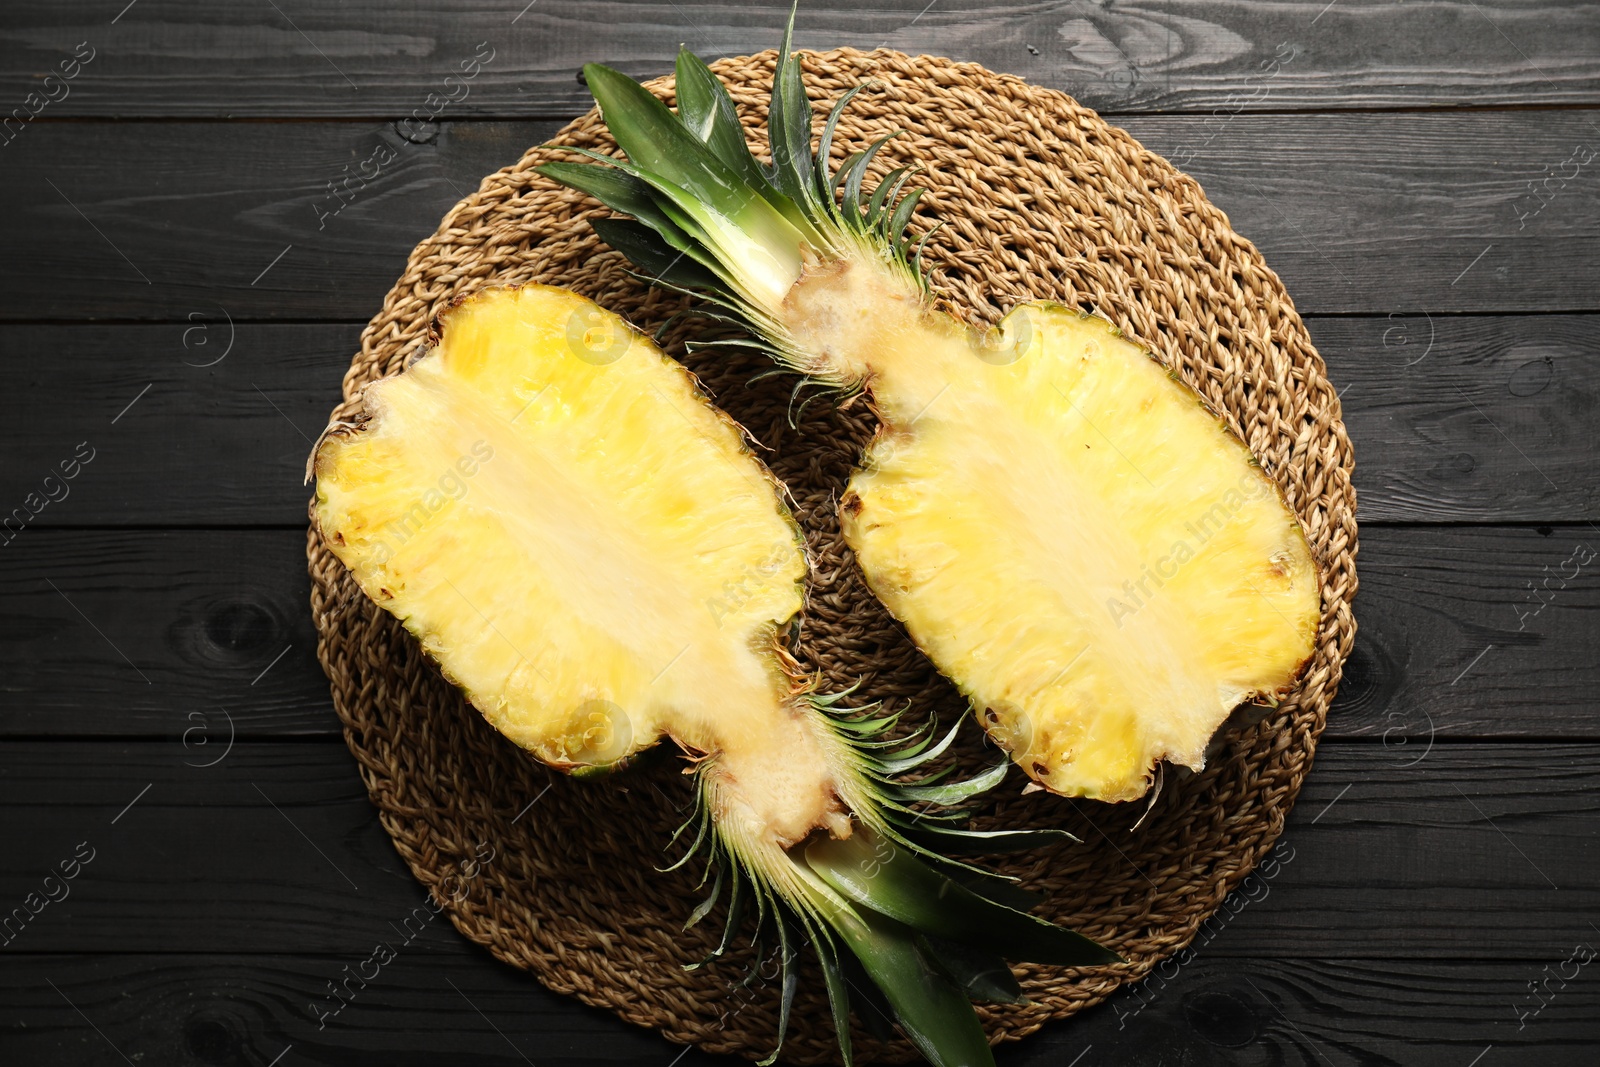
[532, 500]
[584, 546]
[1073, 538]
[1084, 548]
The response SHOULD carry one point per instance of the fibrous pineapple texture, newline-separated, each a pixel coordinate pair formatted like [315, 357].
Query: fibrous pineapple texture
[585, 547]
[1066, 530]
[1106, 588]
[531, 500]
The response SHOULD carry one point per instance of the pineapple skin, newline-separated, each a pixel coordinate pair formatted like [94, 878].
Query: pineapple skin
[585, 547]
[1082, 546]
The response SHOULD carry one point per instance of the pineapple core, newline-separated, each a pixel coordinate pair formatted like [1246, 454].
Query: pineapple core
[585, 547]
[1077, 542]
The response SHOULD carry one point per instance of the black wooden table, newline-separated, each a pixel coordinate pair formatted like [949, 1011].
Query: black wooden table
[204, 202]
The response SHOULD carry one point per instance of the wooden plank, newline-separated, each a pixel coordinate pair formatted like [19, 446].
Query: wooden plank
[1472, 633]
[275, 848]
[1399, 214]
[1466, 418]
[202, 613]
[204, 422]
[206, 1009]
[196, 635]
[354, 59]
[1296, 1013]
[111, 219]
[1455, 418]
[1360, 213]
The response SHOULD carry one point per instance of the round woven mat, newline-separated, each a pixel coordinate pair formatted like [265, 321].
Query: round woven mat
[1041, 200]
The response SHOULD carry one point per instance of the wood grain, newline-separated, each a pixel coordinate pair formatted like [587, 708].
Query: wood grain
[358, 59]
[1467, 418]
[162, 703]
[113, 219]
[183, 1010]
[1454, 418]
[1473, 633]
[1364, 213]
[1453, 644]
[201, 422]
[204, 633]
[277, 845]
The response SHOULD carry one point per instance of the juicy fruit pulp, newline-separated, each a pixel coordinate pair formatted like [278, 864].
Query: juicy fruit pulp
[585, 547]
[1078, 543]
[1081, 546]
[530, 499]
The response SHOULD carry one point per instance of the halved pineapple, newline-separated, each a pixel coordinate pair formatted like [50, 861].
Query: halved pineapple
[584, 546]
[1082, 546]
[530, 499]
[1072, 537]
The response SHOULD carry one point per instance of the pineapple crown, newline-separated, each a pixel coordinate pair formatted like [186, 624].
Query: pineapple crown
[706, 217]
[913, 933]
[894, 919]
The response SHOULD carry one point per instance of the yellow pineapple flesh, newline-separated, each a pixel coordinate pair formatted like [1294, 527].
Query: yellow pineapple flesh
[1075, 540]
[1081, 545]
[587, 549]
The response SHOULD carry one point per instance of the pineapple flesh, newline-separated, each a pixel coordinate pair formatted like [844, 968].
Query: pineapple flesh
[585, 547]
[1079, 543]
[1075, 540]
[530, 499]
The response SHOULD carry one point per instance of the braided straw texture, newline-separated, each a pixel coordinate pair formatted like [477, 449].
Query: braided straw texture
[1041, 199]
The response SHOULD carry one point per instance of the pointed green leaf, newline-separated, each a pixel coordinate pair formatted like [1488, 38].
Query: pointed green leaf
[916, 257]
[867, 727]
[883, 217]
[707, 110]
[981, 975]
[738, 904]
[654, 257]
[613, 187]
[729, 342]
[789, 126]
[657, 143]
[957, 792]
[750, 237]
[996, 887]
[790, 980]
[846, 169]
[699, 839]
[934, 1013]
[838, 994]
[918, 755]
[872, 1008]
[825, 146]
[888, 878]
[852, 187]
[882, 194]
[697, 103]
[620, 188]
[987, 842]
[704, 907]
[902, 215]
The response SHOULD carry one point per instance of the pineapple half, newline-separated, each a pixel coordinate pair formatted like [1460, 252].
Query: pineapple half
[587, 549]
[1064, 527]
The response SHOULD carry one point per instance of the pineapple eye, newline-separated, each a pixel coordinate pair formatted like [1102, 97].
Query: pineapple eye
[1010, 729]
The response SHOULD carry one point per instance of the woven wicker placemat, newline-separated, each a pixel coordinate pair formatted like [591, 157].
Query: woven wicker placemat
[1041, 199]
